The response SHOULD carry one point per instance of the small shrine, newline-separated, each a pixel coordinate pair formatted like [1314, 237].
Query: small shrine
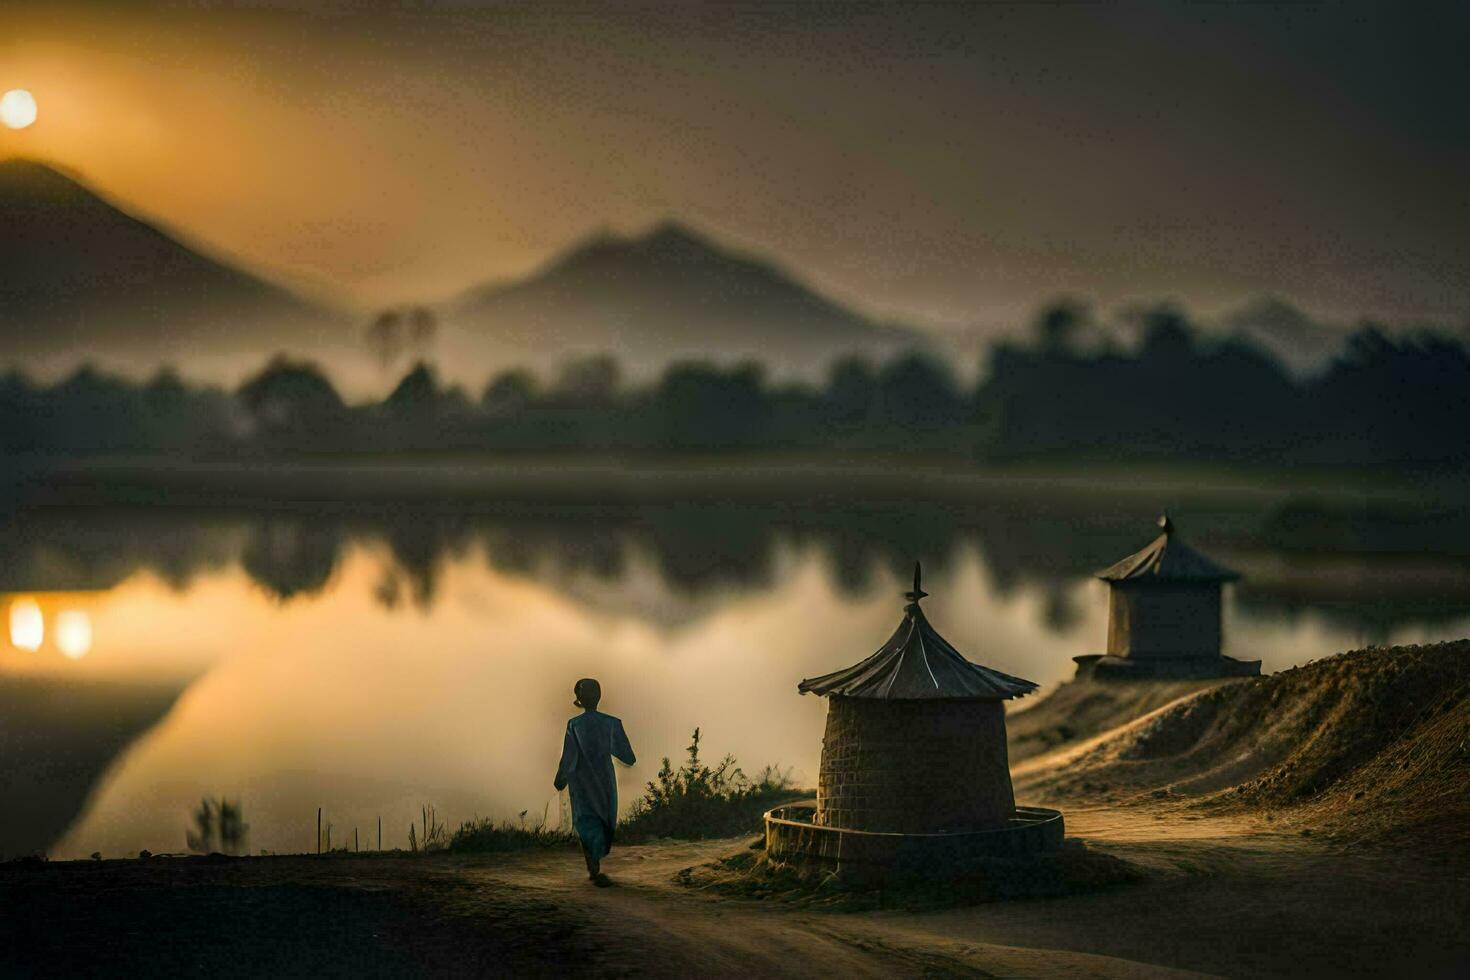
[914, 777]
[1164, 615]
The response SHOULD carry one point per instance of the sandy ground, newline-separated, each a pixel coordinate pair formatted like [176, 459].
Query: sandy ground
[1232, 881]
[1221, 896]
[1080, 710]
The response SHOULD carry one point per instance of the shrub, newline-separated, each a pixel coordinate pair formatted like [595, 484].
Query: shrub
[693, 802]
[698, 801]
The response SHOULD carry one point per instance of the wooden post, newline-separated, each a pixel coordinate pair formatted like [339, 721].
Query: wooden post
[329, 837]
[380, 832]
[318, 830]
[355, 848]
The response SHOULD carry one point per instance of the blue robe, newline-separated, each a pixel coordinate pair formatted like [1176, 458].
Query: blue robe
[592, 741]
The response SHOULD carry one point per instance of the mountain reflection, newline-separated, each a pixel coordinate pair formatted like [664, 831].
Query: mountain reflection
[696, 551]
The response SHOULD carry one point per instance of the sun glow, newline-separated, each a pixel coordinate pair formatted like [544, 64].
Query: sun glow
[17, 108]
[27, 625]
[74, 633]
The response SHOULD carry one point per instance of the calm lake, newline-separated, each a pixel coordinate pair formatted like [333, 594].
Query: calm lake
[368, 660]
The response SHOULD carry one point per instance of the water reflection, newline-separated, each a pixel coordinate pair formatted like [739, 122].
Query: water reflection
[369, 662]
[27, 625]
[42, 620]
[1372, 580]
[291, 557]
[74, 633]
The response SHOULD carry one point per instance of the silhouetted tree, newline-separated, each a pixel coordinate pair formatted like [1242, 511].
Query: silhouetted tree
[416, 396]
[1166, 334]
[918, 394]
[1178, 393]
[93, 412]
[703, 406]
[587, 381]
[165, 394]
[20, 422]
[1058, 325]
[293, 399]
[509, 393]
[1391, 400]
[852, 392]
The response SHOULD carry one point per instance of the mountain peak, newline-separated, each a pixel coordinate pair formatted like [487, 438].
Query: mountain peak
[672, 235]
[22, 165]
[666, 293]
[667, 241]
[88, 278]
[28, 177]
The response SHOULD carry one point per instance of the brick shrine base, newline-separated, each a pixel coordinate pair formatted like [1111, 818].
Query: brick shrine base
[792, 838]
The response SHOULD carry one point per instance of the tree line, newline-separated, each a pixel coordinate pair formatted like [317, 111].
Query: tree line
[1063, 392]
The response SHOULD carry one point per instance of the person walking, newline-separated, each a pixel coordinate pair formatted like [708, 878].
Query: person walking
[593, 740]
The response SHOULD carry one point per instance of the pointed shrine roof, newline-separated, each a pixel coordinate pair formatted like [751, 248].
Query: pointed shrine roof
[1167, 559]
[918, 664]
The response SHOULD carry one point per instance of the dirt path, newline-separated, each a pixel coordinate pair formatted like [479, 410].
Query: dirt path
[1231, 897]
[676, 931]
[648, 925]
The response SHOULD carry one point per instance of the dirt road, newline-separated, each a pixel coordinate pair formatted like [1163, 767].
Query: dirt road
[671, 930]
[1231, 897]
[1222, 897]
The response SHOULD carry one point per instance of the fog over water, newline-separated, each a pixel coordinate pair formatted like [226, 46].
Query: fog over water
[368, 663]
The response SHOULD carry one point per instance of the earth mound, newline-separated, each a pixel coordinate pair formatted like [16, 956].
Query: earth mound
[1372, 743]
[1083, 709]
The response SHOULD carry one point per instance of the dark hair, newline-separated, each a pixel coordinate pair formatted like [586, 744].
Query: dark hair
[588, 692]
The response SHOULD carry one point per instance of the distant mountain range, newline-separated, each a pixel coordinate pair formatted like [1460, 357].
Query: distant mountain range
[83, 278]
[86, 280]
[668, 294]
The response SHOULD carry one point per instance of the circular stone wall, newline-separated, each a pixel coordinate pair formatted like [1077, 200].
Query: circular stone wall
[914, 767]
[859, 855]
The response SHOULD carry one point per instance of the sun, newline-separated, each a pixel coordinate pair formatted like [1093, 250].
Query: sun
[17, 108]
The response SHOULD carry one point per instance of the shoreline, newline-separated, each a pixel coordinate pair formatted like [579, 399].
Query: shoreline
[614, 479]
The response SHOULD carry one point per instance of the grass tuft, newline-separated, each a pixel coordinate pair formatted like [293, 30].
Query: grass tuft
[485, 836]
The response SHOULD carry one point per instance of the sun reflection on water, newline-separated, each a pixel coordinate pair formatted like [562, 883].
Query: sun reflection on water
[74, 633]
[27, 624]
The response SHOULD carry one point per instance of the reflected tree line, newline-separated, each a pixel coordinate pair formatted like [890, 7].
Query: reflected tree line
[1072, 390]
[694, 551]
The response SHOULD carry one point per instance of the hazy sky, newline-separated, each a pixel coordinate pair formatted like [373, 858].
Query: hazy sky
[948, 162]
